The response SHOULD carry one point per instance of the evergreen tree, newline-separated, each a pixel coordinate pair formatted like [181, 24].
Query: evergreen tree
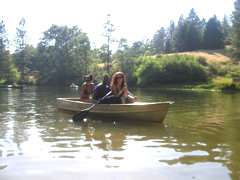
[225, 29]
[168, 46]
[109, 29]
[213, 37]
[192, 37]
[3, 44]
[180, 34]
[193, 41]
[193, 17]
[137, 49]
[171, 29]
[159, 41]
[235, 36]
[20, 43]
[3, 38]
[169, 39]
[121, 54]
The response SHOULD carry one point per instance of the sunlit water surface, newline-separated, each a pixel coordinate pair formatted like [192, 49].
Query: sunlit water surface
[199, 139]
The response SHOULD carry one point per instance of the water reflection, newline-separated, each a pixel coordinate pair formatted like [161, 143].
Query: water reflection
[201, 131]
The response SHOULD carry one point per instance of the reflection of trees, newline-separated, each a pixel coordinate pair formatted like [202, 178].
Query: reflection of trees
[13, 126]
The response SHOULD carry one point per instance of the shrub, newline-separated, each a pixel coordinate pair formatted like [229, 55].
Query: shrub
[202, 60]
[169, 69]
[214, 68]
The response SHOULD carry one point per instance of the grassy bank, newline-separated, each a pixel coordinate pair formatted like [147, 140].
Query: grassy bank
[221, 70]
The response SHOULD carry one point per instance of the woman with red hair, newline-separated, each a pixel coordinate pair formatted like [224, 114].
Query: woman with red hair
[119, 88]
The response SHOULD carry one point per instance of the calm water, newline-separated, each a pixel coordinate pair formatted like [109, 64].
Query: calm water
[199, 139]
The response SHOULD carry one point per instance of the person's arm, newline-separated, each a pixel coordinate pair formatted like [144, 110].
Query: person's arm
[82, 91]
[114, 91]
[95, 93]
[125, 90]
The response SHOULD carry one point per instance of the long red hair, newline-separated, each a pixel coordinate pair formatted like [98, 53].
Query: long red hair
[114, 80]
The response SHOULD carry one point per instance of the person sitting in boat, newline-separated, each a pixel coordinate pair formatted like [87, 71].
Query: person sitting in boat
[14, 84]
[102, 89]
[87, 89]
[120, 90]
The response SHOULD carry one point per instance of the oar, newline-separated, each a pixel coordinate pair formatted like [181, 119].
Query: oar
[82, 114]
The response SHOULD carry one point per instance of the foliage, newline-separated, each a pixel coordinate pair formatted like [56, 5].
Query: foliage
[9, 73]
[187, 36]
[169, 69]
[159, 40]
[213, 37]
[235, 35]
[109, 29]
[226, 28]
[214, 68]
[64, 54]
[169, 38]
[97, 73]
[20, 43]
[205, 86]
[3, 38]
[202, 60]
[231, 86]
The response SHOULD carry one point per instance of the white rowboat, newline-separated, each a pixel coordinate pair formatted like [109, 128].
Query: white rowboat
[141, 111]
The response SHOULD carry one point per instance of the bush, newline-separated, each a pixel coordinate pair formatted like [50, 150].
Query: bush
[14, 75]
[202, 60]
[169, 69]
[214, 68]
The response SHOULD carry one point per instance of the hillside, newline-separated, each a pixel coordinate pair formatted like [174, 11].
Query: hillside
[216, 55]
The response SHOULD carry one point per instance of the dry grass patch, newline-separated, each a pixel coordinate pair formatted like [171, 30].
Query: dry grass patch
[102, 65]
[216, 55]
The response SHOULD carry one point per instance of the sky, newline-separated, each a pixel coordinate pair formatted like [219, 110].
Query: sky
[134, 20]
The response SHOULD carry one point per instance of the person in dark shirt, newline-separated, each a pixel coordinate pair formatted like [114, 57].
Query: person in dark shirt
[102, 89]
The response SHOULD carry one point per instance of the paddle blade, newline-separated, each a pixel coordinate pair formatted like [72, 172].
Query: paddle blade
[80, 115]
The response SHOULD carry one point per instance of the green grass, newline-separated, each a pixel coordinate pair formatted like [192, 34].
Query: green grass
[220, 83]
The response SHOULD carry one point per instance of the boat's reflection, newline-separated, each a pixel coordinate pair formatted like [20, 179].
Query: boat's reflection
[113, 134]
[149, 123]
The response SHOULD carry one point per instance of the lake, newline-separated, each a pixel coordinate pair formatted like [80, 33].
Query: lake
[199, 139]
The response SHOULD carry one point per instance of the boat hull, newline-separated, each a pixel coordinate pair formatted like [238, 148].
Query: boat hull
[152, 112]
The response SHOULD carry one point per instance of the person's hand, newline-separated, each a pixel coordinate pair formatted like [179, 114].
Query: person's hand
[135, 98]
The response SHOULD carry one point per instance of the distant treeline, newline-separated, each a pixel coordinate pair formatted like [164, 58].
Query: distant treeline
[63, 54]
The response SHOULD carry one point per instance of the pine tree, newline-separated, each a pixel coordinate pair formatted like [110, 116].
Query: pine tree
[235, 36]
[225, 29]
[3, 43]
[159, 41]
[179, 38]
[109, 28]
[213, 37]
[193, 41]
[20, 43]
[169, 39]
[3, 38]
